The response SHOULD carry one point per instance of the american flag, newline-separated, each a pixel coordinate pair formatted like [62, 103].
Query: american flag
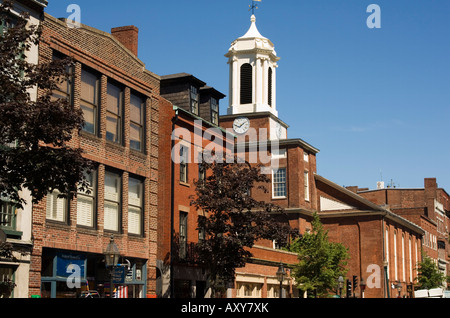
[121, 292]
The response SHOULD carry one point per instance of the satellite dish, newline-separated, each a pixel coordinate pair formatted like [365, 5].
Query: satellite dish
[2, 236]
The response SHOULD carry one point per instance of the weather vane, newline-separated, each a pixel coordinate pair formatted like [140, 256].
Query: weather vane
[254, 6]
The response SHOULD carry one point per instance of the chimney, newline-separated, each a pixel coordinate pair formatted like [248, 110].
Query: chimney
[128, 36]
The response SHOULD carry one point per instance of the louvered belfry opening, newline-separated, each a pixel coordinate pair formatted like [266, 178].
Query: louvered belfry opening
[270, 88]
[246, 84]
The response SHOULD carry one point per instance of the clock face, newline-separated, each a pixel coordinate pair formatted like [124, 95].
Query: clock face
[241, 125]
[279, 130]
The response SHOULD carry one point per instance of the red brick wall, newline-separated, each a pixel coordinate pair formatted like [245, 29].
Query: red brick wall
[101, 52]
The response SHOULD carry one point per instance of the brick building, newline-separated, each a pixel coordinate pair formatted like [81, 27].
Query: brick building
[186, 126]
[384, 247]
[428, 207]
[350, 219]
[290, 162]
[15, 224]
[120, 101]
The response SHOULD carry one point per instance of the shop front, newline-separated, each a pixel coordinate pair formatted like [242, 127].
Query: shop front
[72, 274]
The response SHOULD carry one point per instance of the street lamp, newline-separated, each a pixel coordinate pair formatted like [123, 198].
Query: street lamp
[399, 289]
[280, 276]
[112, 255]
[362, 286]
[340, 285]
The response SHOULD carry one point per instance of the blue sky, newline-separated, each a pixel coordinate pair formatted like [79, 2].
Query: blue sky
[376, 102]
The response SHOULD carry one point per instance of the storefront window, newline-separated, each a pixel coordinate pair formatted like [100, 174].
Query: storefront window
[94, 278]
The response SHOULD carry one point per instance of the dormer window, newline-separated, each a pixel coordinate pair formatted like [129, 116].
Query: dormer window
[194, 100]
[214, 111]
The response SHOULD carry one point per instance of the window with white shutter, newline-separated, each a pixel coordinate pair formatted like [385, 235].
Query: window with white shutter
[135, 204]
[112, 201]
[86, 202]
[56, 208]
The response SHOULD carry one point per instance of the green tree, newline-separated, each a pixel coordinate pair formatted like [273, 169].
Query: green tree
[232, 219]
[428, 274]
[320, 262]
[34, 133]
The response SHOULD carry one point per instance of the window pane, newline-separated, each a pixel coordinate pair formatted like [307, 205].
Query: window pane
[89, 117]
[111, 216]
[214, 111]
[306, 180]
[112, 187]
[134, 220]
[85, 210]
[114, 99]
[56, 207]
[86, 202]
[112, 128]
[112, 201]
[279, 183]
[135, 136]
[136, 109]
[135, 192]
[194, 100]
[89, 87]
[6, 214]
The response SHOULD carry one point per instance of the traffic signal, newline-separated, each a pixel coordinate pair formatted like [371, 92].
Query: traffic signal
[348, 288]
[355, 282]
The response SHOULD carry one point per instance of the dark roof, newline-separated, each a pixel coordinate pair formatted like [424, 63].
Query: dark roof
[180, 77]
[212, 91]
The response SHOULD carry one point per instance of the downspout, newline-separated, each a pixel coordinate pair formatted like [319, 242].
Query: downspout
[385, 264]
[172, 207]
[360, 256]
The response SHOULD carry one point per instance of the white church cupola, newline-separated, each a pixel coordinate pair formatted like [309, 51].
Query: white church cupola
[253, 63]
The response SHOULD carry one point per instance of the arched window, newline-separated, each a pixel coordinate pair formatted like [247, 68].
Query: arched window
[246, 84]
[269, 89]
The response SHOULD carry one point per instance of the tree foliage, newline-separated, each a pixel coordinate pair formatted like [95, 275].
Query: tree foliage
[428, 274]
[320, 262]
[34, 132]
[232, 219]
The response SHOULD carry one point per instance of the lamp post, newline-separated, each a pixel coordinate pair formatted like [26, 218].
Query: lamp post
[281, 273]
[362, 286]
[399, 289]
[112, 255]
[340, 285]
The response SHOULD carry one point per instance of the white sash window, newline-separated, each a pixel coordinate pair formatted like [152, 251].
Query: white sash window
[86, 202]
[135, 204]
[112, 201]
[56, 208]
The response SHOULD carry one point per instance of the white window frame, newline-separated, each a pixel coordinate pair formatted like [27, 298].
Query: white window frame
[56, 208]
[112, 203]
[275, 182]
[306, 185]
[85, 211]
[184, 161]
[135, 206]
